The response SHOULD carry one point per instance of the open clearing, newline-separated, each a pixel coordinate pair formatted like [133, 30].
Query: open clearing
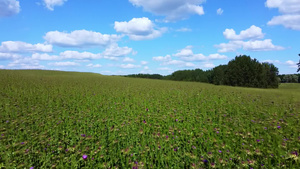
[85, 120]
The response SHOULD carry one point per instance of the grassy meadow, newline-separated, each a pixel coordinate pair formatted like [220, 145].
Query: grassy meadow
[53, 119]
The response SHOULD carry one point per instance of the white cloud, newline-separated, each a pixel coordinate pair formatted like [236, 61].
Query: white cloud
[9, 56]
[51, 3]
[9, 8]
[209, 65]
[80, 38]
[21, 47]
[172, 9]
[216, 56]
[139, 29]
[220, 11]
[146, 68]
[253, 32]
[64, 64]
[129, 66]
[253, 45]
[288, 21]
[184, 30]
[115, 51]
[79, 55]
[187, 54]
[284, 6]
[25, 63]
[236, 41]
[128, 59]
[291, 64]
[94, 65]
[162, 58]
[229, 47]
[290, 10]
[179, 63]
[112, 53]
[45, 56]
[1, 67]
[144, 62]
[265, 45]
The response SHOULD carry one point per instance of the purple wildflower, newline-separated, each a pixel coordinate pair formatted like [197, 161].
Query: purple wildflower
[84, 157]
[31, 167]
[220, 151]
[218, 132]
[265, 128]
[205, 161]
[258, 140]
[67, 150]
[278, 127]
[175, 149]
[82, 135]
[144, 122]
[194, 147]
[176, 119]
[167, 137]
[22, 143]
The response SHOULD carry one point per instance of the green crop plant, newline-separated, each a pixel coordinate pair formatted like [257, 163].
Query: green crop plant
[53, 119]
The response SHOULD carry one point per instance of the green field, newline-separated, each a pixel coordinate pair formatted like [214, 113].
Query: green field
[53, 119]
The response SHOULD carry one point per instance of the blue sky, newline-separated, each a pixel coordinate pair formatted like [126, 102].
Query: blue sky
[118, 37]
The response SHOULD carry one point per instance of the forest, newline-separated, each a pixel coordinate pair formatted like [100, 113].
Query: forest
[241, 71]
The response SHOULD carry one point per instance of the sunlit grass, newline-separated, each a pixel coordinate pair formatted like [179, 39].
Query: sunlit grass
[84, 120]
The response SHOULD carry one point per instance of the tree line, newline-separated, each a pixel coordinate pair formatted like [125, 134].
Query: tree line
[241, 71]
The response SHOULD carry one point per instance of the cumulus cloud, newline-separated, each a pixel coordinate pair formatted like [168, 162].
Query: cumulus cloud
[288, 21]
[112, 52]
[290, 10]
[128, 59]
[172, 9]
[115, 51]
[25, 63]
[94, 65]
[64, 64]
[45, 56]
[291, 64]
[253, 32]
[162, 58]
[209, 65]
[220, 11]
[139, 29]
[167, 60]
[144, 62]
[265, 45]
[186, 57]
[51, 3]
[284, 6]
[129, 66]
[80, 39]
[21, 47]
[187, 54]
[9, 56]
[9, 8]
[253, 45]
